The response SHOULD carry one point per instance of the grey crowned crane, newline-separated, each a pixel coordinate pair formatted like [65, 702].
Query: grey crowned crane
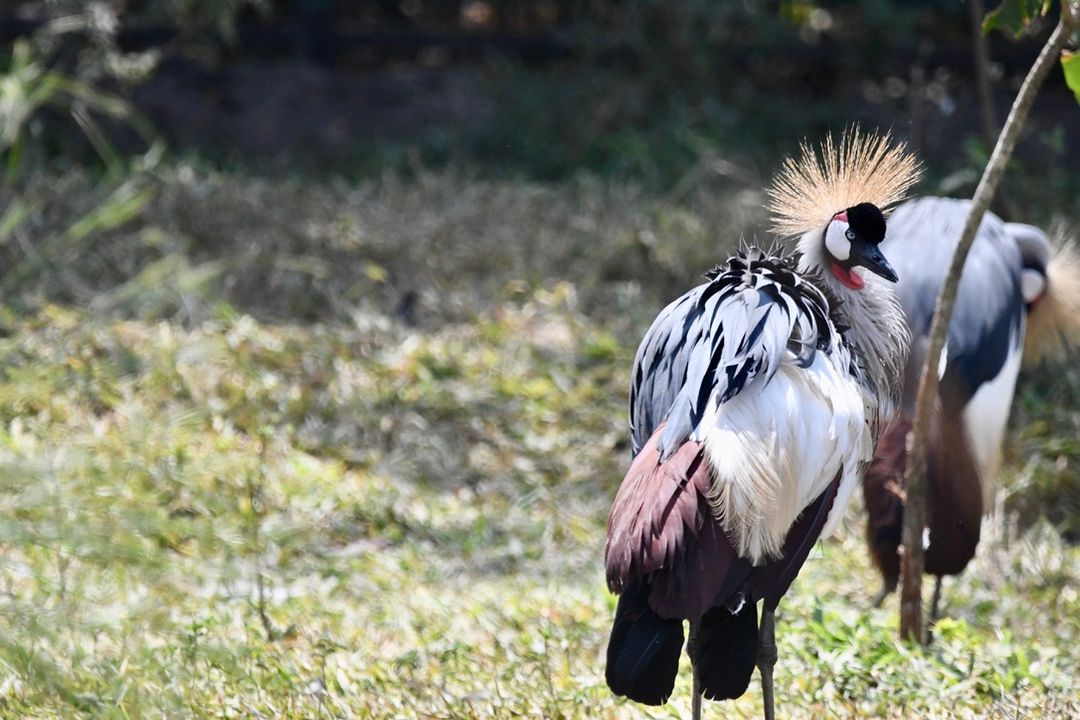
[1018, 294]
[754, 407]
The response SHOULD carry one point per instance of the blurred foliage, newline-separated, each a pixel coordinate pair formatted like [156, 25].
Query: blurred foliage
[658, 83]
[29, 87]
[636, 90]
[171, 241]
[1015, 15]
[91, 30]
[1070, 65]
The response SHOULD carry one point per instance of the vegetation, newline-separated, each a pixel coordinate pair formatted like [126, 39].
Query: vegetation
[313, 447]
[222, 497]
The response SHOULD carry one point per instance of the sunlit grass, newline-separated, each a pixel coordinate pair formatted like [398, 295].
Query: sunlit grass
[240, 476]
[240, 519]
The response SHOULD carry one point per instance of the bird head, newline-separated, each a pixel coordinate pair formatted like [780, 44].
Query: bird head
[851, 240]
[1035, 253]
[865, 174]
[1050, 287]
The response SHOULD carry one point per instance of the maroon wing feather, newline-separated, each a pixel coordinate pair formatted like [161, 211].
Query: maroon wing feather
[882, 488]
[661, 526]
[954, 502]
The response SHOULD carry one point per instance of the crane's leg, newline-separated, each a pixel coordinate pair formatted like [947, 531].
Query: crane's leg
[766, 659]
[691, 650]
[935, 601]
[933, 610]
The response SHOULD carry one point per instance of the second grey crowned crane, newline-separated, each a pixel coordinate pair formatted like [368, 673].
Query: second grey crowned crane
[1018, 295]
[754, 409]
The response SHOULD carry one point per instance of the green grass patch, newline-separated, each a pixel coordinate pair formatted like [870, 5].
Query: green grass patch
[282, 449]
[239, 518]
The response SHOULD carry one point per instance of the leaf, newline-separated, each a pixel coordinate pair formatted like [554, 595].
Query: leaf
[16, 214]
[1070, 63]
[123, 205]
[375, 272]
[1015, 15]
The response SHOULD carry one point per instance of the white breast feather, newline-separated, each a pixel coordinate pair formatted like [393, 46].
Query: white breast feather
[987, 414]
[776, 446]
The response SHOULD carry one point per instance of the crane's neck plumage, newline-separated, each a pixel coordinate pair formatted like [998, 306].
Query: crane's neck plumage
[814, 189]
[871, 320]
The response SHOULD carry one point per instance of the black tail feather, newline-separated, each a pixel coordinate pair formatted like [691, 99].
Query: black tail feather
[727, 651]
[643, 652]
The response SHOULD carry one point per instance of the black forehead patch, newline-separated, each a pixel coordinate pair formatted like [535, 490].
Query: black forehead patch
[868, 221]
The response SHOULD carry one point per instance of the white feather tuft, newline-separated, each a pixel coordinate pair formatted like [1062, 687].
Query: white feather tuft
[770, 458]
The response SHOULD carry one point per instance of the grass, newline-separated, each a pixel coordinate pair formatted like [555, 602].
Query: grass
[242, 476]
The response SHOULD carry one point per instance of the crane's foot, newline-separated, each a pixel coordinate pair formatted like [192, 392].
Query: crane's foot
[766, 659]
[887, 588]
[691, 650]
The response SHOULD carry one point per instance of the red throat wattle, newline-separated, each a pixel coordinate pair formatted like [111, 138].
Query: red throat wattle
[848, 278]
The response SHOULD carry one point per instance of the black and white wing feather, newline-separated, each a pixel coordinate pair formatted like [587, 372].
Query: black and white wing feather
[754, 314]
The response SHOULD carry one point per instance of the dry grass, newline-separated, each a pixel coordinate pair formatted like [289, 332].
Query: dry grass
[244, 477]
[300, 251]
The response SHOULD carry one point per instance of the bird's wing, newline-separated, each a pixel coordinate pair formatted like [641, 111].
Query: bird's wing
[718, 339]
[662, 527]
[985, 331]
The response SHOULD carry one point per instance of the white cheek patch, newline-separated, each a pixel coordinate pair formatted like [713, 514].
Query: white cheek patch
[1032, 285]
[836, 242]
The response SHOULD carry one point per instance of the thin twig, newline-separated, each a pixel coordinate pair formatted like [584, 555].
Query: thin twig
[255, 541]
[912, 561]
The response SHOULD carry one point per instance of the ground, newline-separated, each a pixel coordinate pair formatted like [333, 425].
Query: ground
[347, 451]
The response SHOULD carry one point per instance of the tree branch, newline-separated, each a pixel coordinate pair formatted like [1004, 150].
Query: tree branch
[911, 562]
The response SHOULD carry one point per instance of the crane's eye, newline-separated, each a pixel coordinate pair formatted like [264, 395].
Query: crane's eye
[850, 234]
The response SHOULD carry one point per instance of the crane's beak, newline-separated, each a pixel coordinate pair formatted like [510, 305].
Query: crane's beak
[870, 257]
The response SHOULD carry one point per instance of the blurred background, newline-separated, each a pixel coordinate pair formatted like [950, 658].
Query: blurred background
[316, 326]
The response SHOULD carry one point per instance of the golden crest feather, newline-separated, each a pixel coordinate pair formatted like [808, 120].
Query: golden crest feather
[810, 189]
